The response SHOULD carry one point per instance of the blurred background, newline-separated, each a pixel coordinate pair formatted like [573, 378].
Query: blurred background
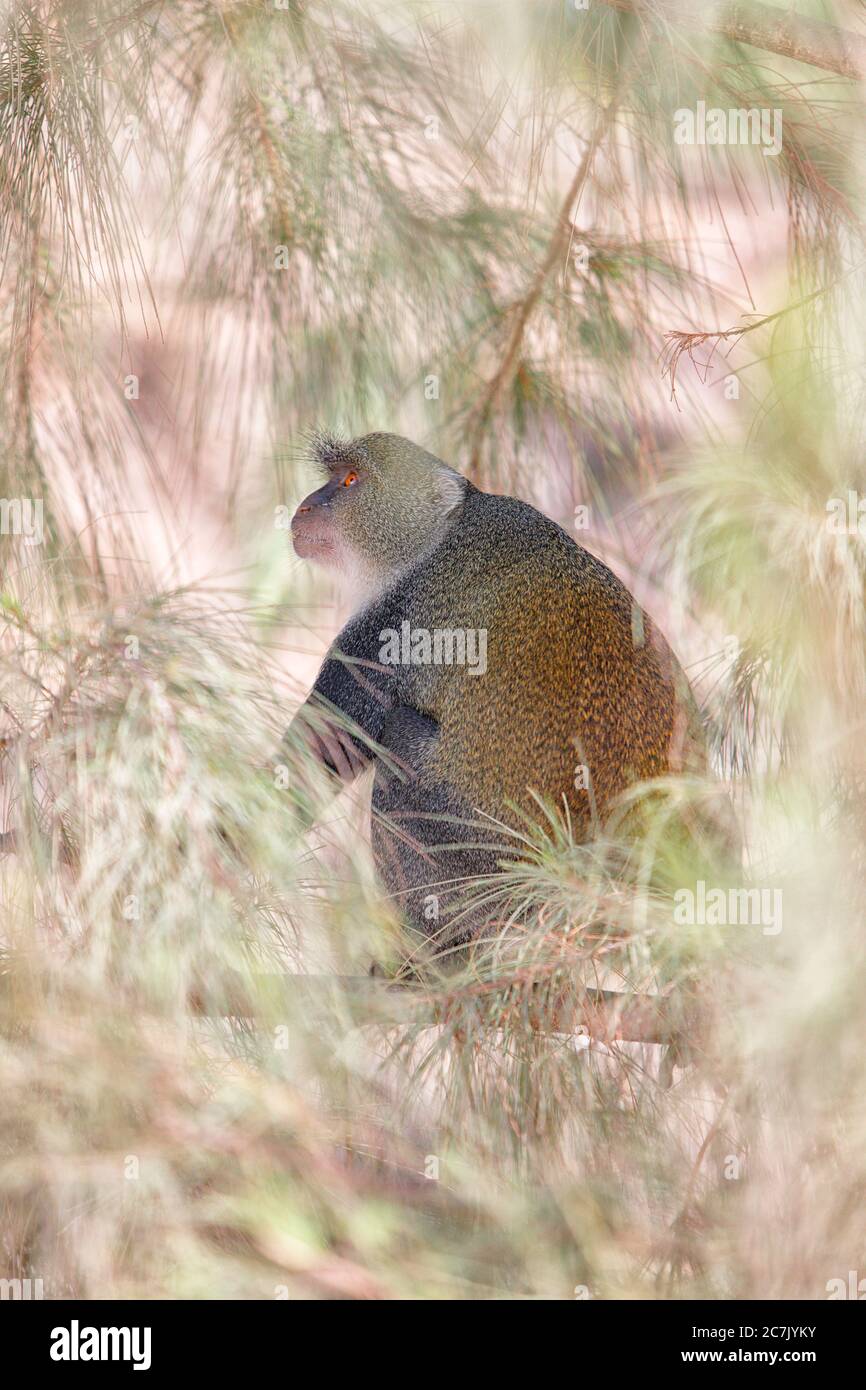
[489, 227]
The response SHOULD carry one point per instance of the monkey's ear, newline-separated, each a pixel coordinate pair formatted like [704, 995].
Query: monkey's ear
[450, 488]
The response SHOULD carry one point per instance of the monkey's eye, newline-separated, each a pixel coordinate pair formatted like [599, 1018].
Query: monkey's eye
[350, 480]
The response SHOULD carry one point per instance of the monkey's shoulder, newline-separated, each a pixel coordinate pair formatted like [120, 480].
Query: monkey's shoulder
[501, 562]
[509, 545]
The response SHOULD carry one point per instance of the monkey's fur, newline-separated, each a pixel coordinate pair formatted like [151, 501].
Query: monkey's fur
[577, 675]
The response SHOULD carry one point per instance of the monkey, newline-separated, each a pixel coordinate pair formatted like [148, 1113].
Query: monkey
[491, 664]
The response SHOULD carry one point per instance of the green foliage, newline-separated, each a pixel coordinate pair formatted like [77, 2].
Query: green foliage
[224, 225]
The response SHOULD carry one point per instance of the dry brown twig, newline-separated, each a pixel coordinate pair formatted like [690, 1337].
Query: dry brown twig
[679, 340]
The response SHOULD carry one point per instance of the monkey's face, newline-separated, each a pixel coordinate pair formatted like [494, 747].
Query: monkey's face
[318, 531]
[385, 500]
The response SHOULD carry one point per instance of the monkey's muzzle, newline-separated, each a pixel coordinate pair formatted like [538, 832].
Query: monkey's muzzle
[313, 527]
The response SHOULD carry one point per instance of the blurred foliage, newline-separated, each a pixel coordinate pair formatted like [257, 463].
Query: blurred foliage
[223, 224]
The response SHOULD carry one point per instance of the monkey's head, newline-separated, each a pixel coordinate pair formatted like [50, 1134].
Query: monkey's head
[385, 501]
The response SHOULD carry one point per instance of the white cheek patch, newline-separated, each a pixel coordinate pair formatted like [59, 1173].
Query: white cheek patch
[358, 578]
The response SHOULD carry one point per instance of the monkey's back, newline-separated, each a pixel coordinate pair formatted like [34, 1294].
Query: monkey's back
[581, 695]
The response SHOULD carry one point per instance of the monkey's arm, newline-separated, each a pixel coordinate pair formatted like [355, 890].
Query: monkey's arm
[342, 719]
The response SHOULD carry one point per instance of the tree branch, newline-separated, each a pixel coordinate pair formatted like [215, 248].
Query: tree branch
[812, 41]
[524, 309]
[606, 1015]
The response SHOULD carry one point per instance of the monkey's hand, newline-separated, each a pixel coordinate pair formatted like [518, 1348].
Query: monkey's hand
[318, 757]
